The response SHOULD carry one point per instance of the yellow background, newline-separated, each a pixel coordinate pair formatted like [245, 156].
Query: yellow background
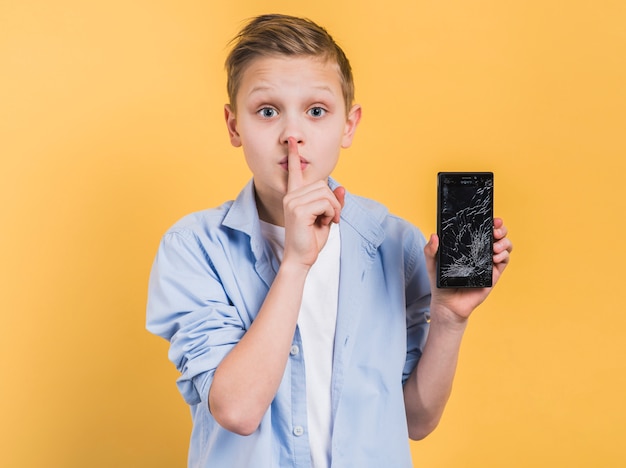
[111, 129]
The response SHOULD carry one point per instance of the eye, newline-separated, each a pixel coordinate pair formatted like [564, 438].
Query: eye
[267, 112]
[316, 112]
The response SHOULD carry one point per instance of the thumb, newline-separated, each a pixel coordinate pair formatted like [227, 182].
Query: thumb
[430, 252]
[340, 193]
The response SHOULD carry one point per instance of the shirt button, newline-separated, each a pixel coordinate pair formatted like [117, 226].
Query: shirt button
[298, 431]
[294, 350]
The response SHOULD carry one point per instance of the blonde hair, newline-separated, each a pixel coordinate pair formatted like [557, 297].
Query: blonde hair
[276, 35]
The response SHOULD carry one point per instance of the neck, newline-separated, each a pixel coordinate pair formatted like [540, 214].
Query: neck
[272, 216]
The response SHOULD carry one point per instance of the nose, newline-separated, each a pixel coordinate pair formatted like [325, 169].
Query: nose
[292, 128]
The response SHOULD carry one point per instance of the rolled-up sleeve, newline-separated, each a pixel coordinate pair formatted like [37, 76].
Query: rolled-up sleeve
[188, 306]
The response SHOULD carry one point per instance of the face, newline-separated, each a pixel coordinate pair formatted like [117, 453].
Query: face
[283, 97]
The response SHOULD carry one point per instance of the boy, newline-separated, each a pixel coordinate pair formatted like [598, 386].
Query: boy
[301, 316]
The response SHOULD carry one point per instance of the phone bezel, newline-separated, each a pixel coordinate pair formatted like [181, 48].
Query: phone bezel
[471, 281]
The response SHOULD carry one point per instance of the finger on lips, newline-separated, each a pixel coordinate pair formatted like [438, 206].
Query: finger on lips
[294, 177]
[327, 211]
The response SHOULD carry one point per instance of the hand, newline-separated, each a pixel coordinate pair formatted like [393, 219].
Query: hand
[459, 303]
[309, 211]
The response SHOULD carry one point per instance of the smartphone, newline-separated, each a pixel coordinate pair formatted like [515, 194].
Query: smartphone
[465, 229]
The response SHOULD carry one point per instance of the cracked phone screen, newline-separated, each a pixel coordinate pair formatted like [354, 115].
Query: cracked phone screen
[465, 230]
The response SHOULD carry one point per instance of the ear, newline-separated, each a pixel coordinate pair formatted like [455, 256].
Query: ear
[231, 125]
[354, 117]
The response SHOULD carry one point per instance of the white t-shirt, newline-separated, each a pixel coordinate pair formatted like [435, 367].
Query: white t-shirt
[316, 322]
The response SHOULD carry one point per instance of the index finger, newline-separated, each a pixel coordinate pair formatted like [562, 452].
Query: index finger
[294, 177]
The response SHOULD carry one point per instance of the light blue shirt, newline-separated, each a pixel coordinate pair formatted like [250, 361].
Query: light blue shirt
[211, 274]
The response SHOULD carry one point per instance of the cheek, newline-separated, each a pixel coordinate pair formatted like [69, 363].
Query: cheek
[334, 147]
[257, 137]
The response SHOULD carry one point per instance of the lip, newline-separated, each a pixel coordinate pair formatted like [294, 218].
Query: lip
[285, 165]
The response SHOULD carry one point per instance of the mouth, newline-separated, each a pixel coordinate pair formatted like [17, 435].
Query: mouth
[285, 164]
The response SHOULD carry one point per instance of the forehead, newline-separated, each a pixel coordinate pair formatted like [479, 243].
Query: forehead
[281, 72]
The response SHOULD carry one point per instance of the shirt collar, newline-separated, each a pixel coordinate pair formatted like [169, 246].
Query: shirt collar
[243, 215]
[365, 216]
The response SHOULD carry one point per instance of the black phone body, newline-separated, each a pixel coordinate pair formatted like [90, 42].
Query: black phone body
[465, 229]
